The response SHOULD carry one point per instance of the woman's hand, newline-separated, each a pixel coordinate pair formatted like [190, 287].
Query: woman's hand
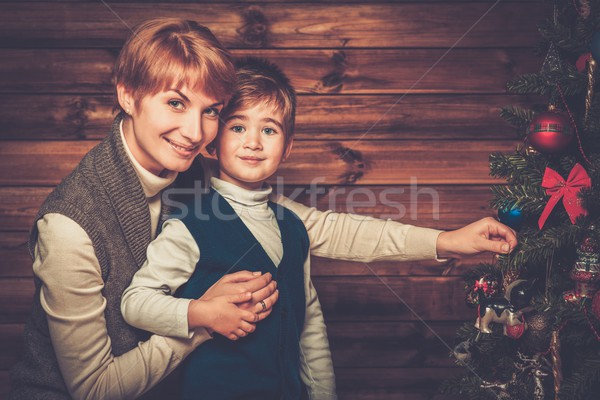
[487, 234]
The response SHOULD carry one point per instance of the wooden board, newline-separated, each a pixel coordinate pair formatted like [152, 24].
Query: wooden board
[312, 162]
[280, 25]
[377, 298]
[335, 117]
[369, 71]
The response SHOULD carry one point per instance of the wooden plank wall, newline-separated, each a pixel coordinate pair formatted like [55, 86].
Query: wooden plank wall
[408, 91]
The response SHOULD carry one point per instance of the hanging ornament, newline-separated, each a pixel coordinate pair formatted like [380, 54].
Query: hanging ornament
[595, 45]
[509, 276]
[512, 217]
[515, 331]
[596, 305]
[582, 61]
[584, 8]
[462, 351]
[537, 337]
[586, 271]
[487, 286]
[556, 361]
[507, 310]
[557, 188]
[553, 64]
[538, 367]
[590, 89]
[550, 132]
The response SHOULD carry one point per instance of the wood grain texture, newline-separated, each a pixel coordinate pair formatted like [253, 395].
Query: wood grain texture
[368, 71]
[312, 162]
[376, 298]
[393, 383]
[335, 117]
[280, 25]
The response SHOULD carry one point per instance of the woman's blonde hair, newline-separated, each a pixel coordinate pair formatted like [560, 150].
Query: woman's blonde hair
[172, 52]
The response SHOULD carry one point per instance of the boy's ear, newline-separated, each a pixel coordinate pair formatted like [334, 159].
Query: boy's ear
[288, 150]
[125, 99]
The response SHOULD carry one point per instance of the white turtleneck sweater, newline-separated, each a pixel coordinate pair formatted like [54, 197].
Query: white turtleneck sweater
[172, 258]
[71, 292]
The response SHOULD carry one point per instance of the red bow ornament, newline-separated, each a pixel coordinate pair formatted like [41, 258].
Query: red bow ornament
[557, 188]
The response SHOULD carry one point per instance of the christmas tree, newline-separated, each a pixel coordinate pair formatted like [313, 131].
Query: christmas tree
[536, 327]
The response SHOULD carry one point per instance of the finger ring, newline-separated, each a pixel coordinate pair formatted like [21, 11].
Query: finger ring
[264, 306]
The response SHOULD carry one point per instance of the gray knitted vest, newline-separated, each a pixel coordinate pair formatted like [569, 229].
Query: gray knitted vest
[104, 196]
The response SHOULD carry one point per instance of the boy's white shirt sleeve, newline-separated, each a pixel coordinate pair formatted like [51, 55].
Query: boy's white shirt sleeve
[316, 365]
[71, 296]
[148, 302]
[359, 238]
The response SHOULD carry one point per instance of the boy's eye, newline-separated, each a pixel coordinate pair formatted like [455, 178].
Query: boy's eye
[177, 104]
[269, 131]
[212, 112]
[238, 129]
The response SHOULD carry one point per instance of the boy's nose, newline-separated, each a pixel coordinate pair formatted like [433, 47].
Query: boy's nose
[252, 141]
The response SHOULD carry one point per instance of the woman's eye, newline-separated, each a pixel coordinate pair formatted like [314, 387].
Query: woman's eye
[269, 131]
[212, 112]
[237, 129]
[176, 104]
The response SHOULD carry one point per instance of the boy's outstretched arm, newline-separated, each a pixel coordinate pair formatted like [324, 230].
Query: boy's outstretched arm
[359, 238]
[487, 234]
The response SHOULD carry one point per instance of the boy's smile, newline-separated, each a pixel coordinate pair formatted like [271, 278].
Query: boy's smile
[250, 146]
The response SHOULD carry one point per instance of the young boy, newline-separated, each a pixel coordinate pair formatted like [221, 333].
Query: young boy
[235, 227]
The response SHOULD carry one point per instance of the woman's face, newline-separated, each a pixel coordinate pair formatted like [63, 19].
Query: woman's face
[168, 129]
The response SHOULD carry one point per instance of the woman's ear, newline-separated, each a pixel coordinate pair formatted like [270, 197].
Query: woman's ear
[125, 99]
[288, 150]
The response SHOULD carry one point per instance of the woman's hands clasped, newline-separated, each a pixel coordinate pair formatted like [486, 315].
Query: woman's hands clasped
[234, 304]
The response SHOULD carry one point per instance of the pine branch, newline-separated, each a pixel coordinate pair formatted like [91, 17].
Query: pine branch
[518, 168]
[536, 247]
[531, 199]
[584, 381]
[517, 117]
[562, 37]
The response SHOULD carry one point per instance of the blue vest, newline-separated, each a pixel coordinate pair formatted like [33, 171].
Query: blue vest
[265, 364]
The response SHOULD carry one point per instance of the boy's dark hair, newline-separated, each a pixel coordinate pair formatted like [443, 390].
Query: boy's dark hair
[260, 81]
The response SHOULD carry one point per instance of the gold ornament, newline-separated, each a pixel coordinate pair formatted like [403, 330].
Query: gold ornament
[556, 363]
[590, 88]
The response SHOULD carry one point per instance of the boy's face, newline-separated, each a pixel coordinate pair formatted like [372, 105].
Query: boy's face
[251, 145]
[168, 130]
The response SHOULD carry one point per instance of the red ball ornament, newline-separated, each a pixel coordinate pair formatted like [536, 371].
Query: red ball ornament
[515, 331]
[550, 132]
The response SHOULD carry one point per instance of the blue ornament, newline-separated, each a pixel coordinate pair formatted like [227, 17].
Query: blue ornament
[595, 46]
[512, 217]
